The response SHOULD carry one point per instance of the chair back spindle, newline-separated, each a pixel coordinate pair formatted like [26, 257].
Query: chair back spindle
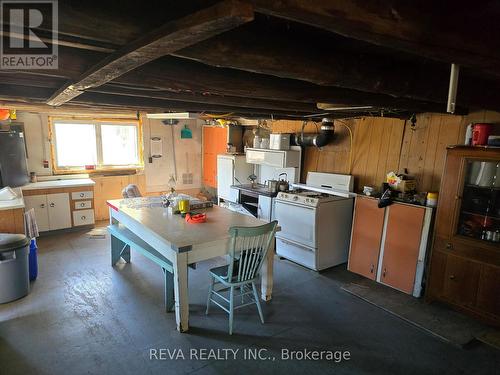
[248, 249]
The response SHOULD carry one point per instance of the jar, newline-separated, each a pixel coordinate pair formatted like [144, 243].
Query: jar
[432, 199]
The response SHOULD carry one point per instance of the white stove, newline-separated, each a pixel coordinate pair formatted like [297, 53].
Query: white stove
[315, 220]
[306, 197]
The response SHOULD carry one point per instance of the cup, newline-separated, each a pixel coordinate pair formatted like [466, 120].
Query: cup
[184, 206]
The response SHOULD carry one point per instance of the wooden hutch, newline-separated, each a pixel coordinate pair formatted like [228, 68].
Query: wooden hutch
[465, 259]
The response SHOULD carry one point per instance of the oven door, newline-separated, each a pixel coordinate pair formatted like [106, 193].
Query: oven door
[297, 222]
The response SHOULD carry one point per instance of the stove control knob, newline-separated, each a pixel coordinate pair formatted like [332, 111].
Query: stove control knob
[296, 198]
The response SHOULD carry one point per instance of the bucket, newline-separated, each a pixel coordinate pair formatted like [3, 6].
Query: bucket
[480, 134]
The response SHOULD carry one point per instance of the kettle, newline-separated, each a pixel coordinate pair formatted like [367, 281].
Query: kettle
[283, 183]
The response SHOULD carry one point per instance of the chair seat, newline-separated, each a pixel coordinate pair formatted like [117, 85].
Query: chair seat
[221, 273]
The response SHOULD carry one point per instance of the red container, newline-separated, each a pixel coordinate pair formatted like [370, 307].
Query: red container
[480, 134]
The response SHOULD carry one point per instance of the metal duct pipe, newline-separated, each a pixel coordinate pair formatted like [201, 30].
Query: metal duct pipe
[325, 136]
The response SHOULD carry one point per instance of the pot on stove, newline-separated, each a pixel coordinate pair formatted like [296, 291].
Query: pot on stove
[283, 184]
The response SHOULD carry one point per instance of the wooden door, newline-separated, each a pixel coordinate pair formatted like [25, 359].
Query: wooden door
[59, 211]
[214, 143]
[39, 204]
[366, 237]
[401, 247]
[461, 281]
[488, 294]
[208, 157]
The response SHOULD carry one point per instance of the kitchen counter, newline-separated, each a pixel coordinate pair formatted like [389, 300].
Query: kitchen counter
[395, 200]
[258, 190]
[13, 204]
[58, 184]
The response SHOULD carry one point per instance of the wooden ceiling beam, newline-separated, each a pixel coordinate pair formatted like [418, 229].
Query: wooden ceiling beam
[179, 75]
[208, 99]
[273, 55]
[170, 37]
[38, 95]
[428, 29]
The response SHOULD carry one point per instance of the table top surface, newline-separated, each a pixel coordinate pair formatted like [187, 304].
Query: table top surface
[173, 227]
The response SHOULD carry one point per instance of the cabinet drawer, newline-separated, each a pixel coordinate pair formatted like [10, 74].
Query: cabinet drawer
[83, 205]
[82, 195]
[296, 253]
[83, 217]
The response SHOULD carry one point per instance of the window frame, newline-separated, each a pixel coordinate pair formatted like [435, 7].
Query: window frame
[97, 122]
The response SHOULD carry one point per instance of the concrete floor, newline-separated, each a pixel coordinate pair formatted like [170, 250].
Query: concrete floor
[84, 317]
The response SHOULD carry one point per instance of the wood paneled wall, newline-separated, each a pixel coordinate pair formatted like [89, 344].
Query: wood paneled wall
[110, 187]
[381, 145]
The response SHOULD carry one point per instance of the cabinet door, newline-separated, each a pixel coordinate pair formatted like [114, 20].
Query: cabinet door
[264, 209]
[402, 244]
[366, 237]
[225, 178]
[488, 295]
[461, 281]
[59, 212]
[214, 143]
[39, 204]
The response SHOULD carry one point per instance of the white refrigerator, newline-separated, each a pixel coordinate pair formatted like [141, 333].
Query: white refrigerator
[231, 170]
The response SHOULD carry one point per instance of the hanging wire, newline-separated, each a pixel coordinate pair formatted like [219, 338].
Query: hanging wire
[349, 167]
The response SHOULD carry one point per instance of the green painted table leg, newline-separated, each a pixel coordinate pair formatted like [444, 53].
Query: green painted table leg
[116, 249]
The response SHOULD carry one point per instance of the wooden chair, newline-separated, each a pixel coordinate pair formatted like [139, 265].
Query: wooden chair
[247, 253]
[131, 191]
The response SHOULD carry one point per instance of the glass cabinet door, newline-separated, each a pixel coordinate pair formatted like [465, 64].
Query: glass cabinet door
[479, 213]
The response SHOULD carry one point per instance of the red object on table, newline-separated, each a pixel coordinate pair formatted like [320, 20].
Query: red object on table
[4, 114]
[480, 134]
[196, 219]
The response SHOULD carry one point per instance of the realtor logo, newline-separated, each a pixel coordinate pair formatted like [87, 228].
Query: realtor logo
[28, 37]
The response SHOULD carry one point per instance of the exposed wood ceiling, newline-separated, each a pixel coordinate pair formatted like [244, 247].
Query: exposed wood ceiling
[265, 58]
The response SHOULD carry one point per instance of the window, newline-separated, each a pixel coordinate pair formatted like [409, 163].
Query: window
[95, 145]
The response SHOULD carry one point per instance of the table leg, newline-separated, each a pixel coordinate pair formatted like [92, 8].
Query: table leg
[266, 286]
[181, 292]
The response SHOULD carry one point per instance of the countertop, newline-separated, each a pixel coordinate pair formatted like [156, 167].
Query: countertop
[259, 189]
[13, 204]
[395, 200]
[58, 184]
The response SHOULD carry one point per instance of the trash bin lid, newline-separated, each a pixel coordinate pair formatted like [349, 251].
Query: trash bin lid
[12, 241]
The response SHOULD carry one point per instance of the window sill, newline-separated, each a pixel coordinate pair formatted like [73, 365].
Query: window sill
[103, 171]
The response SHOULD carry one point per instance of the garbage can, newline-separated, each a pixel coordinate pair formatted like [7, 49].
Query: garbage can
[14, 268]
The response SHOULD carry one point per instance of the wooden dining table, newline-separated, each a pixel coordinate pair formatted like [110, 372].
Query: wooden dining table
[184, 243]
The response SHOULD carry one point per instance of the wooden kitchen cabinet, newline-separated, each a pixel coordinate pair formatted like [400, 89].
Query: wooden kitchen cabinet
[214, 142]
[61, 207]
[465, 258]
[12, 221]
[401, 246]
[488, 293]
[52, 211]
[389, 244]
[366, 237]
[461, 279]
